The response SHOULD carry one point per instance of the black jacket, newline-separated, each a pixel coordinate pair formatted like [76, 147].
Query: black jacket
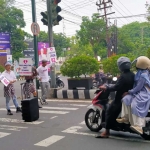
[124, 84]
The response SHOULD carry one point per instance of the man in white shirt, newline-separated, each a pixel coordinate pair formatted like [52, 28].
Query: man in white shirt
[9, 91]
[44, 79]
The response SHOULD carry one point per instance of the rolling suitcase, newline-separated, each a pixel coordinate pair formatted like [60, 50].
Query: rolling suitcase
[30, 108]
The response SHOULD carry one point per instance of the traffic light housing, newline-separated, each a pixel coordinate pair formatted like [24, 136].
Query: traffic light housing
[55, 10]
[45, 18]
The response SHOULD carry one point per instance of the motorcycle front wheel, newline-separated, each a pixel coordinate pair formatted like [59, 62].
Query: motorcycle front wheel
[93, 120]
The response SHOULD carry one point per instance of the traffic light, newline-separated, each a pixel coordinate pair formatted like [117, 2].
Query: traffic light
[55, 10]
[45, 18]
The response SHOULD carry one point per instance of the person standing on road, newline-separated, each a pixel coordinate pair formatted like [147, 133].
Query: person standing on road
[44, 79]
[29, 87]
[9, 91]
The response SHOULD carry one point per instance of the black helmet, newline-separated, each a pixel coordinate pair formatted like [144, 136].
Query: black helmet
[124, 63]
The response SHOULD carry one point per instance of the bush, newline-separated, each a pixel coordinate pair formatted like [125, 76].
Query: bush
[79, 65]
[110, 64]
[2, 68]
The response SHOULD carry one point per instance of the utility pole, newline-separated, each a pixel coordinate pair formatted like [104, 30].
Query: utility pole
[115, 37]
[35, 39]
[103, 5]
[51, 44]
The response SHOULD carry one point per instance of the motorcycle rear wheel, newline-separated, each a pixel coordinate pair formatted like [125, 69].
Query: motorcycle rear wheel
[61, 84]
[89, 124]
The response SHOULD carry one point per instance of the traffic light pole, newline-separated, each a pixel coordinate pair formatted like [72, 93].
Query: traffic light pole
[51, 44]
[35, 39]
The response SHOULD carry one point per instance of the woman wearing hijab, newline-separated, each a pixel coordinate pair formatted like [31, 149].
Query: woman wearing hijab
[136, 103]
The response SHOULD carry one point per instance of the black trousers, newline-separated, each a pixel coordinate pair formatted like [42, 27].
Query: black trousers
[112, 113]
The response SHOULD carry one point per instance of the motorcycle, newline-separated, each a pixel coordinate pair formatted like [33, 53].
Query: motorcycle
[59, 82]
[95, 116]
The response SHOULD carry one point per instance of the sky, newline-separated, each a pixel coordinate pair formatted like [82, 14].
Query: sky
[73, 10]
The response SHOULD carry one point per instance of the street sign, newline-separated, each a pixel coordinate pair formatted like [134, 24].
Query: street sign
[9, 58]
[25, 66]
[35, 28]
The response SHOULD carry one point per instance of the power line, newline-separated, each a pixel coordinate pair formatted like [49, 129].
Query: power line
[139, 15]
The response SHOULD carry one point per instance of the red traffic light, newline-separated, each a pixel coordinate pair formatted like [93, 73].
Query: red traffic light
[57, 1]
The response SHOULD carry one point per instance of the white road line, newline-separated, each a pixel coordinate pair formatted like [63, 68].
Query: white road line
[19, 121]
[69, 101]
[82, 123]
[45, 111]
[49, 141]
[53, 117]
[56, 108]
[53, 112]
[74, 129]
[2, 134]
[78, 105]
[12, 128]
[60, 108]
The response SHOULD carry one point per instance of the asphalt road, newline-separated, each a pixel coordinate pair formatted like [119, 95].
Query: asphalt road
[60, 127]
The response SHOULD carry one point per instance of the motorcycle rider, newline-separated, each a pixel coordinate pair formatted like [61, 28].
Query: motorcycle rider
[124, 83]
[136, 103]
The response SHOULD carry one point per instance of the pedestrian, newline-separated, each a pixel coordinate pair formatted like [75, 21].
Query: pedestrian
[9, 91]
[29, 87]
[44, 79]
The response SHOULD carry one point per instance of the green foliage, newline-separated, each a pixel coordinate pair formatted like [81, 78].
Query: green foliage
[93, 32]
[110, 64]
[1, 68]
[134, 38]
[11, 21]
[79, 65]
[148, 53]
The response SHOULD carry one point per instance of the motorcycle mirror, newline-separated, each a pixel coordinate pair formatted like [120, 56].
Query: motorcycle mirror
[114, 78]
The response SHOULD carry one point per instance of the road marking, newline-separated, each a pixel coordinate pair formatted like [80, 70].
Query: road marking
[53, 117]
[82, 123]
[2, 134]
[73, 105]
[56, 108]
[69, 101]
[45, 111]
[53, 112]
[49, 141]
[60, 108]
[74, 130]
[12, 128]
[19, 121]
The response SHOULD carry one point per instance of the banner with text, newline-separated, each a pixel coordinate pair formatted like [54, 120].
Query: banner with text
[25, 66]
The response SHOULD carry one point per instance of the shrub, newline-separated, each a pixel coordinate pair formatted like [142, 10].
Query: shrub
[79, 65]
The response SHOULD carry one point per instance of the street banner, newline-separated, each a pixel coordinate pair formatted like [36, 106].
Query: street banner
[16, 68]
[25, 66]
[5, 44]
[29, 51]
[52, 55]
[42, 51]
[4, 80]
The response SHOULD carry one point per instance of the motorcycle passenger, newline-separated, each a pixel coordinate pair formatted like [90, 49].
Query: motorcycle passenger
[124, 83]
[136, 103]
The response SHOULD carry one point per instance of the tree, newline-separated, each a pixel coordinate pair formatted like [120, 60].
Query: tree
[134, 38]
[110, 64]
[11, 21]
[93, 32]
